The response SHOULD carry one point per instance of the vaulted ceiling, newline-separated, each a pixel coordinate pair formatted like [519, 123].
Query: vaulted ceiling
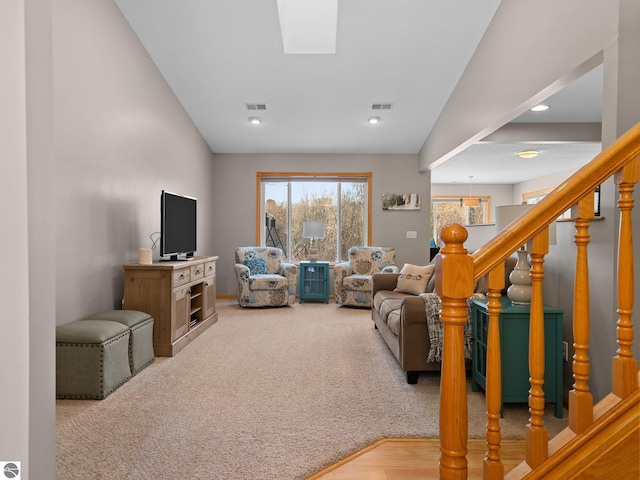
[224, 57]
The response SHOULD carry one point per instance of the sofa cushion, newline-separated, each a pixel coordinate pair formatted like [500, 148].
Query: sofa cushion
[393, 321]
[388, 306]
[358, 283]
[384, 295]
[413, 279]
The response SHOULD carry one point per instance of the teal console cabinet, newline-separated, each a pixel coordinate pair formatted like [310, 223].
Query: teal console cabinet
[514, 352]
[314, 281]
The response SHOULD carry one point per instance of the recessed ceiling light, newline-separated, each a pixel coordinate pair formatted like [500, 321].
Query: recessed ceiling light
[255, 120]
[540, 108]
[374, 120]
[528, 153]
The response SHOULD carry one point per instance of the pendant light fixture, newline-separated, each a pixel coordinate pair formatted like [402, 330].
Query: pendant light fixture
[470, 201]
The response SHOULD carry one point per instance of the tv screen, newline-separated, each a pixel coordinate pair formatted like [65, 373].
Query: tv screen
[177, 226]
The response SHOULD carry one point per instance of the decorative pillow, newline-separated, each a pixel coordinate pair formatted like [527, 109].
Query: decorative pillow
[413, 279]
[257, 266]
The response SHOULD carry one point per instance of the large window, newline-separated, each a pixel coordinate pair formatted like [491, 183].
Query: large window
[448, 210]
[339, 200]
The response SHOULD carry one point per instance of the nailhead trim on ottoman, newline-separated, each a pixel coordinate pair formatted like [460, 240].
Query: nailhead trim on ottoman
[141, 339]
[92, 359]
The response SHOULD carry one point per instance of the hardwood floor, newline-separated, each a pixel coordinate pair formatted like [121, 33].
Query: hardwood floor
[413, 459]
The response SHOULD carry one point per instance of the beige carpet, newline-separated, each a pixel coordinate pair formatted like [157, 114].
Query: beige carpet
[263, 394]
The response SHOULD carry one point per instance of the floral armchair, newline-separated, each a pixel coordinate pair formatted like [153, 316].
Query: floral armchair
[352, 279]
[264, 280]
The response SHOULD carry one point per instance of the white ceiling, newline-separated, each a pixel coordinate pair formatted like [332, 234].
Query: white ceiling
[219, 55]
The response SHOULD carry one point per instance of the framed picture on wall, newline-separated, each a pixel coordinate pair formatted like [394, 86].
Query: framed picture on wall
[401, 201]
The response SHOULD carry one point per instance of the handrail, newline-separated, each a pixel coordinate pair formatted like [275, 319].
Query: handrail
[457, 271]
[584, 181]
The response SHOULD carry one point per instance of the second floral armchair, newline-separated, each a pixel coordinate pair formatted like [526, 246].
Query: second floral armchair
[352, 279]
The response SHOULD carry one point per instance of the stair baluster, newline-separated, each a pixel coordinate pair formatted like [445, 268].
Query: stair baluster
[580, 398]
[536, 434]
[625, 367]
[493, 468]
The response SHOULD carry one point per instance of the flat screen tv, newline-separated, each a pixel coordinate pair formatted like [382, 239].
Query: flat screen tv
[177, 226]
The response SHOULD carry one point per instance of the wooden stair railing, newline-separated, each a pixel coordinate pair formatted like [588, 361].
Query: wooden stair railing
[457, 272]
[609, 448]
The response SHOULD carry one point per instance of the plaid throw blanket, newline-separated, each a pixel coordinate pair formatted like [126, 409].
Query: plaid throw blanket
[435, 327]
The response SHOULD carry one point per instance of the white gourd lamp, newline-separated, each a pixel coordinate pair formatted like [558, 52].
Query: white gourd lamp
[313, 230]
[520, 290]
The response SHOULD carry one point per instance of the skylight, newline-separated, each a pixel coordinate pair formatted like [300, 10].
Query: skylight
[308, 26]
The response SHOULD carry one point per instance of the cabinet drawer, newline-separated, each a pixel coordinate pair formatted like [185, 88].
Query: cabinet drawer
[197, 271]
[181, 277]
[209, 269]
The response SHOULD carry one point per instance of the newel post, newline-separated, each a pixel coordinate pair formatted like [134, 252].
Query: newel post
[454, 284]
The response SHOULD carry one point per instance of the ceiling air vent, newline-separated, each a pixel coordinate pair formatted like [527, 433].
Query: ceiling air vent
[255, 106]
[382, 106]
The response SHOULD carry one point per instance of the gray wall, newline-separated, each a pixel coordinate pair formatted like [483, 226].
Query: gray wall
[40, 169]
[234, 203]
[14, 286]
[121, 136]
[91, 134]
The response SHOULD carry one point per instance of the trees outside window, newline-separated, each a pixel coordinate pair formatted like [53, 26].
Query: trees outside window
[340, 201]
[448, 210]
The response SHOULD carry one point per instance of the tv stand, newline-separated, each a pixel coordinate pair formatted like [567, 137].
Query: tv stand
[180, 297]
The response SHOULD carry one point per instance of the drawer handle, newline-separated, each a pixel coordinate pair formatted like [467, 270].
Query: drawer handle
[197, 272]
[182, 276]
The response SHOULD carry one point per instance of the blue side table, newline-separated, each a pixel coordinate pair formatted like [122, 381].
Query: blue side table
[314, 281]
[514, 346]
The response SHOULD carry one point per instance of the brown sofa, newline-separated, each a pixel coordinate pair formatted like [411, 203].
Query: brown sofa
[401, 320]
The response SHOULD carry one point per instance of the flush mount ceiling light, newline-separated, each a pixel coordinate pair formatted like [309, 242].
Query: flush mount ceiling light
[255, 120]
[374, 120]
[540, 108]
[308, 26]
[528, 153]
